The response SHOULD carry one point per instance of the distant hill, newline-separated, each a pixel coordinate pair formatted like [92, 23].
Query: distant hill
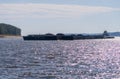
[7, 29]
[114, 33]
[109, 33]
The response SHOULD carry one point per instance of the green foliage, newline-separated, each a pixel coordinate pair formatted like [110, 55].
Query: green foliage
[6, 29]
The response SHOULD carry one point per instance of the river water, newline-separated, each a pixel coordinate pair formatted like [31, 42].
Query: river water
[78, 59]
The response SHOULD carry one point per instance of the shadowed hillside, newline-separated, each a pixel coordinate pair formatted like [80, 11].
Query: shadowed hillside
[7, 29]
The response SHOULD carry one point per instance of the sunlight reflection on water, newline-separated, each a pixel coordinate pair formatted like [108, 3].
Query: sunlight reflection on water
[79, 59]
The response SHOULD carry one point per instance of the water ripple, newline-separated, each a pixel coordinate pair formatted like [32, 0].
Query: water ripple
[80, 59]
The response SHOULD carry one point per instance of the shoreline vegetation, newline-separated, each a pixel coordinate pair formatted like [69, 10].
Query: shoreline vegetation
[7, 30]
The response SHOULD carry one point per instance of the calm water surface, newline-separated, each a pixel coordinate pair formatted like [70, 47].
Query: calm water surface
[79, 59]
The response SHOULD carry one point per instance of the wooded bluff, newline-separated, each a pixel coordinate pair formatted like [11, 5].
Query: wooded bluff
[7, 29]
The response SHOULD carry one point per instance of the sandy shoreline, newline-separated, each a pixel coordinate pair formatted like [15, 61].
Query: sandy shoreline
[9, 36]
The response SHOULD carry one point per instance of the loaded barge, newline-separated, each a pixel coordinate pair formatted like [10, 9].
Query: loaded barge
[61, 36]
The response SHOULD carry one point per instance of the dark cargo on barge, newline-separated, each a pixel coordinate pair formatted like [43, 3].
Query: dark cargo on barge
[61, 36]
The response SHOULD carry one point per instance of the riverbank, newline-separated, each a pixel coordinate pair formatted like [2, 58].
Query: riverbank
[10, 36]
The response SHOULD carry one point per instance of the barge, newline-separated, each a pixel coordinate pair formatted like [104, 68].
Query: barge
[61, 36]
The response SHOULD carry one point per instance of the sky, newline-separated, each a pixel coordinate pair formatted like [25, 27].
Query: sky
[61, 16]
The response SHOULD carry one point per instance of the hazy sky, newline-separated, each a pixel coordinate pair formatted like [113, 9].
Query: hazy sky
[61, 16]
